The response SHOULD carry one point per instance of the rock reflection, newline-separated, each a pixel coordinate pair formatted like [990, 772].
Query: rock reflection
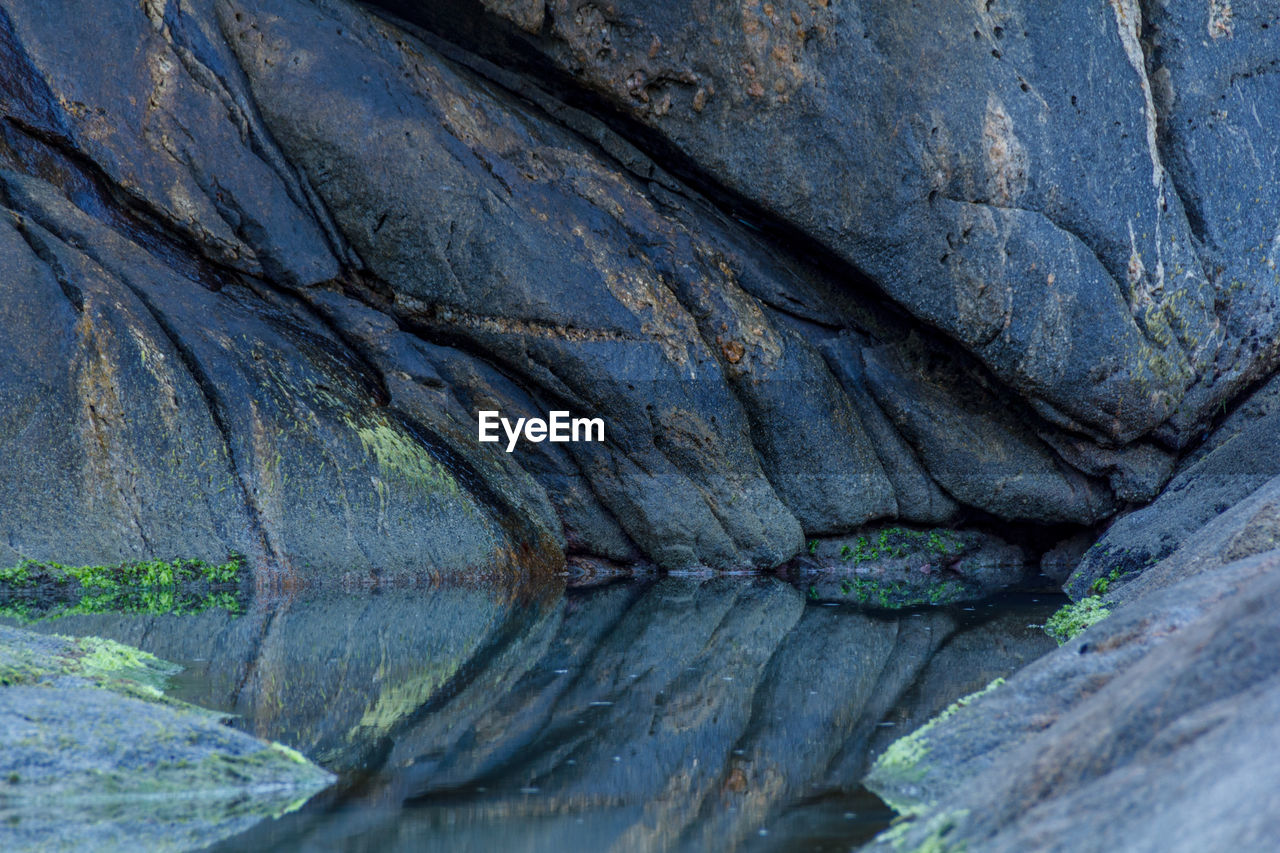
[672, 714]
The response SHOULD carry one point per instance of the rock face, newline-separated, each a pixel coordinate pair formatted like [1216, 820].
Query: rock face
[816, 266]
[1055, 218]
[1234, 462]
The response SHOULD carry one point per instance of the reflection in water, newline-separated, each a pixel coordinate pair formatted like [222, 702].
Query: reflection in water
[723, 713]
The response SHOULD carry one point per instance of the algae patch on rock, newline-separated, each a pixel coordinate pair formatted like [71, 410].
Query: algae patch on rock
[401, 457]
[896, 568]
[92, 753]
[901, 763]
[144, 573]
[37, 590]
[1072, 619]
[935, 830]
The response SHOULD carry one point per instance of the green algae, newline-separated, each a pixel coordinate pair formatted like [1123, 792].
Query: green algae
[934, 829]
[32, 659]
[290, 753]
[400, 457]
[898, 595]
[60, 674]
[141, 574]
[898, 542]
[36, 590]
[904, 759]
[218, 771]
[1074, 618]
[106, 660]
[154, 602]
[1100, 586]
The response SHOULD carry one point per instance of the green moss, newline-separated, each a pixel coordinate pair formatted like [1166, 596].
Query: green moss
[33, 659]
[898, 542]
[904, 759]
[144, 573]
[1102, 585]
[185, 749]
[107, 660]
[154, 602]
[36, 590]
[935, 829]
[19, 576]
[290, 753]
[402, 458]
[1064, 625]
[274, 765]
[13, 674]
[898, 595]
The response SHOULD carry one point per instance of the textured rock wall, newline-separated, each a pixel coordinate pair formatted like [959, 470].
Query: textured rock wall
[815, 265]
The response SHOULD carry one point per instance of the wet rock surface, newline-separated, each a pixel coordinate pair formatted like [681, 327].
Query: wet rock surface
[94, 754]
[1149, 721]
[823, 270]
[270, 258]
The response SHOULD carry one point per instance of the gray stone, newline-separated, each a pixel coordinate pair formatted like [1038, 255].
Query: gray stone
[95, 755]
[1236, 462]
[1032, 209]
[196, 423]
[975, 448]
[1151, 719]
[1015, 294]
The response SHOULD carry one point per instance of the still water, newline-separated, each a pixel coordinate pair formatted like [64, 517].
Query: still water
[727, 713]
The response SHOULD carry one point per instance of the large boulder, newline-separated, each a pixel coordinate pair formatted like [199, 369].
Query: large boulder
[1233, 462]
[151, 416]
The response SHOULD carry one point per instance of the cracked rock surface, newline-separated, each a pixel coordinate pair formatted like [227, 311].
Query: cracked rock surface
[817, 266]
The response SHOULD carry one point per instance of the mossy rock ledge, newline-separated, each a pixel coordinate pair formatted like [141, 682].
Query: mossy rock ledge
[93, 754]
[894, 568]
